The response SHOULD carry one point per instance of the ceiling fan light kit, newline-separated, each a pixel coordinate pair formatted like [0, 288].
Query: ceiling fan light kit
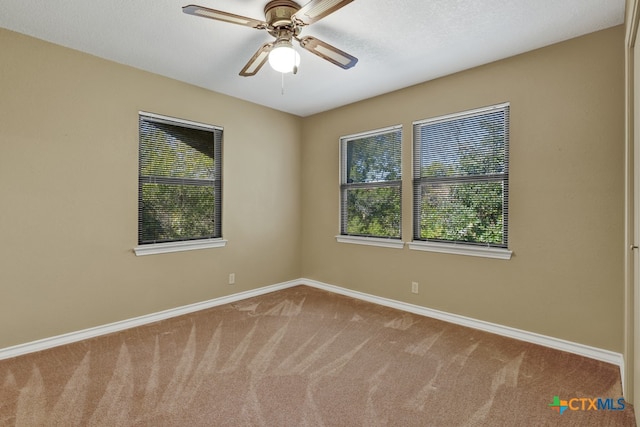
[284, 20]
[283, 57]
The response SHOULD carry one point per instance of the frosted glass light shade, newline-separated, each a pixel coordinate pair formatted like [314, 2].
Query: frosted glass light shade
[284, 58]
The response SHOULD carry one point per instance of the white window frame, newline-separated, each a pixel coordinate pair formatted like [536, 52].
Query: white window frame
[380, 241]
[184, 245]
[459, 248]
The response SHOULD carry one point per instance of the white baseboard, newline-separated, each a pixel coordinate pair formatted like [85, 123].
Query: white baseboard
[531, 337]
[46, 343]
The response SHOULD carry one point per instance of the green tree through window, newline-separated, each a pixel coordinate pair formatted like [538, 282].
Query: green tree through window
[371, 184]
[461, 178]
[179, 181]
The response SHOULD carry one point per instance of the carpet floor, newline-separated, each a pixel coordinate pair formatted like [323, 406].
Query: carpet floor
[307, 357]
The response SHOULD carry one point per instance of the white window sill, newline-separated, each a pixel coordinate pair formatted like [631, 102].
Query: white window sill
[371, 241]
[460, 249]
[163, 248]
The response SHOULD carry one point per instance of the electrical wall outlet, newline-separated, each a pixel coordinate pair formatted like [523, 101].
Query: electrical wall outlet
[232, 278]
[414, 287]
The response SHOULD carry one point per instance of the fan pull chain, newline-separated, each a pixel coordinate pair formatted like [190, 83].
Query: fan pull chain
[282, 84]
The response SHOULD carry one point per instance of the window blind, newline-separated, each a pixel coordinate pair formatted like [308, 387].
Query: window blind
[371, 179]
[179, 186]
[461, 177]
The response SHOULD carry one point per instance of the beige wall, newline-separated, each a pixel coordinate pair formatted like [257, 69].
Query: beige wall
[68, 194]
[566, 277]
[68, 191]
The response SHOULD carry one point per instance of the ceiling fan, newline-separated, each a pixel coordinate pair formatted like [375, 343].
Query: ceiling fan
[284, 20]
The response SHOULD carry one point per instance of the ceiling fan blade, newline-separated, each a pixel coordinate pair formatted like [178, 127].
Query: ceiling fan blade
[315, 10]
[218, 15]
[330, 53]
[257, 60]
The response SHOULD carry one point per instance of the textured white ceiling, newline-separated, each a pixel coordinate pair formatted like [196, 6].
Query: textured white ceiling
[398, 43]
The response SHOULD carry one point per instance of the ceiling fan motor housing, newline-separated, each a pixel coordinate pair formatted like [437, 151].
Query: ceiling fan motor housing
[278, 13]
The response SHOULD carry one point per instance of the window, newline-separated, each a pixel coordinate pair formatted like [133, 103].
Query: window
[179, 186]
[461, 180]
[371, 178]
